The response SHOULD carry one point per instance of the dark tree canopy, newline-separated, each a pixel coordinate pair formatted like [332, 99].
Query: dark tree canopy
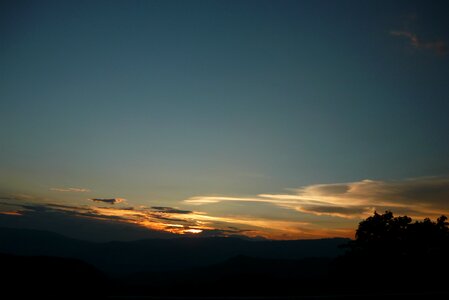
[385, 234]
[397, 254]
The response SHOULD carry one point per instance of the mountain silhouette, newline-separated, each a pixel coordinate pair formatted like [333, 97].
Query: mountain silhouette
[239, 275]
[119, 258]
[48, 264]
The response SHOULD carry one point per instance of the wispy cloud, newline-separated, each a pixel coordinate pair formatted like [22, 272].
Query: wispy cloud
[170, 210]
[11, 213]
[178, 221]
[70, 190]
[409, 35]
[417, 197]
[109, 200]
[438, 46]
[320, 210]
[164, 219]
[199, 200]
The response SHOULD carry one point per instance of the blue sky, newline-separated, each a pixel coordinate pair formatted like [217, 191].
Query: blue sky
[158, 102]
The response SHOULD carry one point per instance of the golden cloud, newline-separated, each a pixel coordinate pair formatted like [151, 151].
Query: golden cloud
[427, 196]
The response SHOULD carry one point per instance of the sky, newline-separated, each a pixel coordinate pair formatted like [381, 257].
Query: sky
[274, 119]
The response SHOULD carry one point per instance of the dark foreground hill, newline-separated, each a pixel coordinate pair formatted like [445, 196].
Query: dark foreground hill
[240, 275]
[31, 277]
[37, 263]
[51, 276]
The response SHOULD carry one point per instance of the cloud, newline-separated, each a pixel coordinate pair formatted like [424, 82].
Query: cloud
[109, 200]
[11, 213]
[170, 210]
[70, 190]
[19, 197]
[163, 219]
[418, 197]
[439, 46]
[313, 211]
[199, 200]
[78, 222]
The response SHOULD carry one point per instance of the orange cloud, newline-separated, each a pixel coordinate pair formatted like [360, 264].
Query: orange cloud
[179, 221]
[11, 213]
[323, 210]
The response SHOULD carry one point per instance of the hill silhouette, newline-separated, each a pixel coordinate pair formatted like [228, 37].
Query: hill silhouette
[390, 258]
[121, 258]
[240, 275]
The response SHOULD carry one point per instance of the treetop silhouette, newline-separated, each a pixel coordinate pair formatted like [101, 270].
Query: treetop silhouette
[385, 234]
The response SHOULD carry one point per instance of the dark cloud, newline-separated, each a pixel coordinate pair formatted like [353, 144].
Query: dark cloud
[109, 200]
[61, 206]
[121, 208]
[68, 210]
[233, 228]
[335, 209]
[170, 210]
[162, 221]
[35, 208]
[82, 223]
[166, 218]
[238, 233]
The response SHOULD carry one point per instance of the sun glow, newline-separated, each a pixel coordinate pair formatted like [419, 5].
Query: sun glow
[193, 230]
[185, 222]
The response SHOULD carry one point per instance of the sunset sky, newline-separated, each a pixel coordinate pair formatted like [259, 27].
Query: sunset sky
[275, 119]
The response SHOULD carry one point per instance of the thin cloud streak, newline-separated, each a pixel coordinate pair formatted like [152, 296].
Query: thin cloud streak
[216, 199]
[70, 190]
[418, 197]
[166, 209]
[11, 213]
[109, 200]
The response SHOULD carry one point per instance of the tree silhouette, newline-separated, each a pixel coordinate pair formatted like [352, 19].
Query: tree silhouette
[397, 254]
[387, 235]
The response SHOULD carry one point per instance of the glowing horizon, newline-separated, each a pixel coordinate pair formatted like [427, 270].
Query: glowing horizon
[307, 212]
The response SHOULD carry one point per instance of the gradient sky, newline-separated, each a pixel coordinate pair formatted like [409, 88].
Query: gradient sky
[216, 112]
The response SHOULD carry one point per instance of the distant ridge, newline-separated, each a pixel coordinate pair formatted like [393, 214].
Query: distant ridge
[160, 254]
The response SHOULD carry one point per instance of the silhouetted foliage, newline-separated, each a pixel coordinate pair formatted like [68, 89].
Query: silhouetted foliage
[397, 254]
[384, 234]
